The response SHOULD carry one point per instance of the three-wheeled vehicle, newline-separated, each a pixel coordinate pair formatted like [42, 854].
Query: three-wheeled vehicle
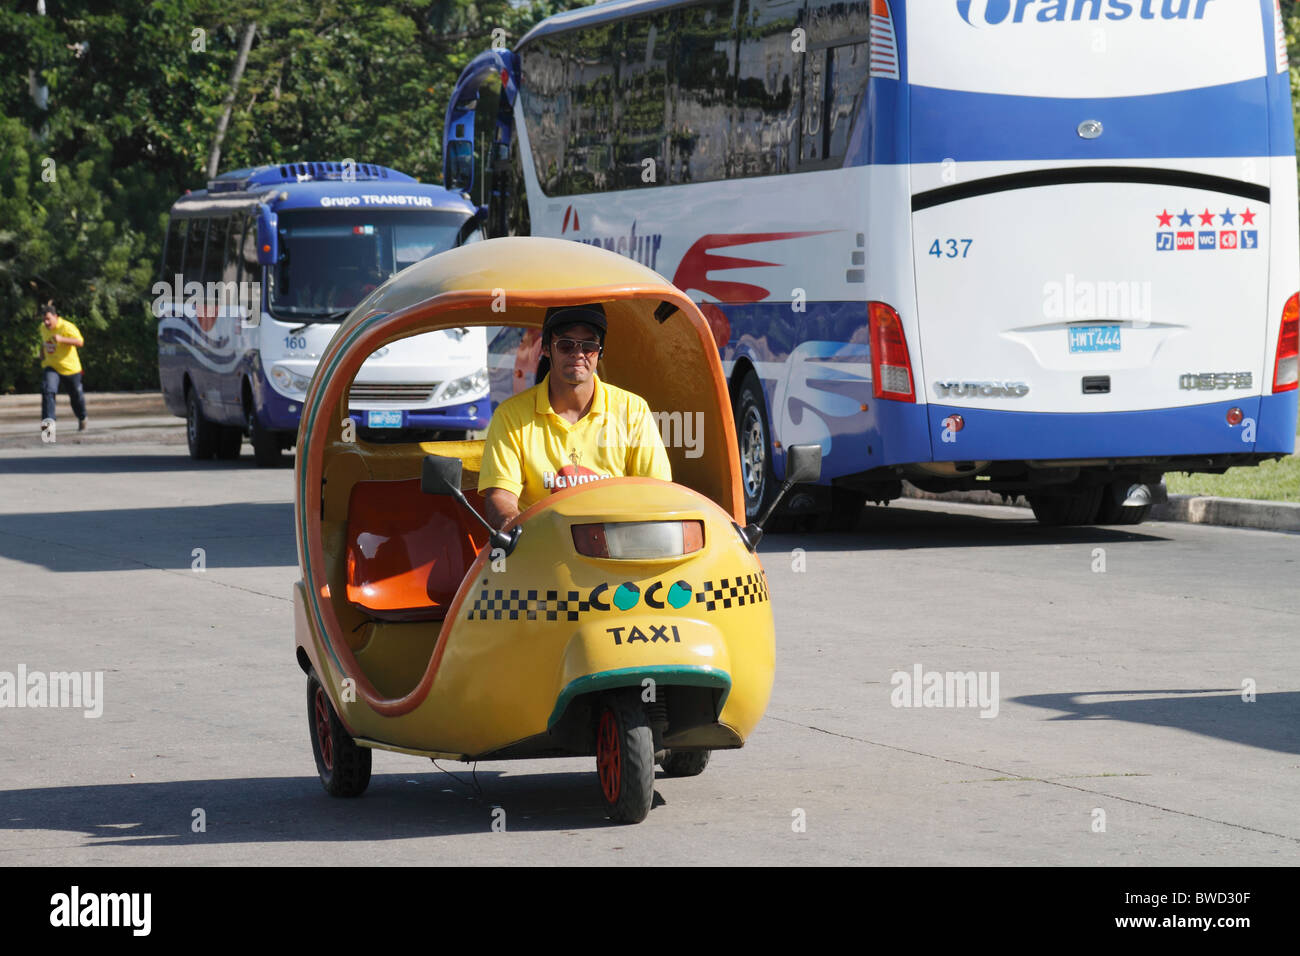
[625, 618]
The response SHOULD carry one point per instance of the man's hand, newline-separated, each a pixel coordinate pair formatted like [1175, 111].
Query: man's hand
[501, 506]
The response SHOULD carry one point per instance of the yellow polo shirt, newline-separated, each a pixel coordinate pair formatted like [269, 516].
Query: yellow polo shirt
[531, 451]
[62, 358]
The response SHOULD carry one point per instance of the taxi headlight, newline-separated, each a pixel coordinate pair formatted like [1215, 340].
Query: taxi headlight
[633, 540]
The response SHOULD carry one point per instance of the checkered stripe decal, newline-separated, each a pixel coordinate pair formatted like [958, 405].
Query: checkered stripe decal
[497, 604]
[751, 589]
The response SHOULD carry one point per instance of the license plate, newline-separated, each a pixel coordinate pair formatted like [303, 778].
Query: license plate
[1094, 338]
[384, 419]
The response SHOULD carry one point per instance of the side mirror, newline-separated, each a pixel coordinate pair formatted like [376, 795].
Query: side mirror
[441, 476]
[472, 223]
[268, 237]
[802, 463]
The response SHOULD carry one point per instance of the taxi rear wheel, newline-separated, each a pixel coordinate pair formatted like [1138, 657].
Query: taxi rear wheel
[685, 763]
[625, 757]
[344, 767]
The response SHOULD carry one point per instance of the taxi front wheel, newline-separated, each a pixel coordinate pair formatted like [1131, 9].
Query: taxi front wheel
[625, 756]
[343, 766]
[685, 763]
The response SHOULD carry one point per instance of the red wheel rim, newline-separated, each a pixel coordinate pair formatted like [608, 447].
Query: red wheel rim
[323, 738]
[609, 758]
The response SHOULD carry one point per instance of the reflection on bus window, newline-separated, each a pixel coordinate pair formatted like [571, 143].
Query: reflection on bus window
[330, 261]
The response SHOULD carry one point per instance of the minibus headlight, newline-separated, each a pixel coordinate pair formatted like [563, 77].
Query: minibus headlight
[639, 540]
[288, 381]
[466, 386]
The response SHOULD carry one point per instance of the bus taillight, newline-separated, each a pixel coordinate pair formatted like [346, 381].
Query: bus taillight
[891, 365]
[1285, 370]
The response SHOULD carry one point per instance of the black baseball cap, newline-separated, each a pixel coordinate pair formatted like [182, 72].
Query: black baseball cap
[562, 316]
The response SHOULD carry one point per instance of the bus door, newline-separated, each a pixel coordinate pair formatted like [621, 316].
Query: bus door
[1091, 226]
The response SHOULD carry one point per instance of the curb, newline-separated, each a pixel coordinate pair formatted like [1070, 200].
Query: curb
[1190, 509]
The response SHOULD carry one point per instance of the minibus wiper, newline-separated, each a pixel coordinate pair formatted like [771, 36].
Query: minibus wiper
[328, 317]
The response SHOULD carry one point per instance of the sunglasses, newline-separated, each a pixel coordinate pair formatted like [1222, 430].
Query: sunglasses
[569, 346]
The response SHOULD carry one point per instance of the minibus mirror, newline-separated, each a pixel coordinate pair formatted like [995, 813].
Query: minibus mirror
[268, 237]
[803, 463]
[441, 476]
[472, 223]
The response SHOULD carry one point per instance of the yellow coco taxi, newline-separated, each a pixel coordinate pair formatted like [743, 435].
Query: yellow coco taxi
[626, 618]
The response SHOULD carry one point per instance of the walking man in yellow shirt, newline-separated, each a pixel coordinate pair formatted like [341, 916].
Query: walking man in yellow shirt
[570, 428]
[60, 365]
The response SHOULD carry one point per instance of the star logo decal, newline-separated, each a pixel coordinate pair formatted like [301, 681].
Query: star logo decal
[1207, 218]
[1165, 217]
[1185, 217]
[1248, 217]
[1228, 217]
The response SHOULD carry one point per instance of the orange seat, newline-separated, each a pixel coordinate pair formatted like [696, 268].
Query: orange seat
[407, 552]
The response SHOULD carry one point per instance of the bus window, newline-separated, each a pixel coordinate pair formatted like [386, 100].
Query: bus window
[642, 91]
[834, 77]
[545, 106]
[172, 258]
[230, 261]
[699, 123]
[214, 257]
[194, 242]
[765, 121]
[591, 119]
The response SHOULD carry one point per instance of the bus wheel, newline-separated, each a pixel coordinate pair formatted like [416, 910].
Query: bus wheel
[625, 757]
[754, 437]
[229, 442]
[200, 434]
[1075, 507]
[344, 767]
[1112, 510]
[266, 445]
[685, 763]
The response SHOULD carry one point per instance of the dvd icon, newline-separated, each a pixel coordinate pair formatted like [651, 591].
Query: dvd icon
[1186, 240]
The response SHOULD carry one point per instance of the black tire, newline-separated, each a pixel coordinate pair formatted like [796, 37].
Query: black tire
[344, 767]
[625, 756]
[1113, 511]
[229, 441]
[200, 434]
[685, 763]
[1075, 507]
[266, 444]
[754, 437]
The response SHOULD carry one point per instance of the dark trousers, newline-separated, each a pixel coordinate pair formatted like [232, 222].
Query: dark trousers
[50, 381]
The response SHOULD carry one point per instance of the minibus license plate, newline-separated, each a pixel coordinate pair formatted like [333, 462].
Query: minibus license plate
[1094, 338]
[384, 419]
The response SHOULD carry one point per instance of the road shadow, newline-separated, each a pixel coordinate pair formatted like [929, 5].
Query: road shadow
[1271, 722]
[296, 809]
[257, 534]
[63, 463]
[881, 528]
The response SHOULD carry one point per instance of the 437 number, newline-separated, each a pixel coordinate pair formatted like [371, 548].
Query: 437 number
[950, 248]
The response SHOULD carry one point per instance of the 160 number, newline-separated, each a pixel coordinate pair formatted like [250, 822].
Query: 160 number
[295, 342]
[950, 248]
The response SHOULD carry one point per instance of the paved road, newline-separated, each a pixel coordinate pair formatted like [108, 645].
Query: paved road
[1118, 691]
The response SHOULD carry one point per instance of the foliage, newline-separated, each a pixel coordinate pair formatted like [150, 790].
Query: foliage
[134, 94]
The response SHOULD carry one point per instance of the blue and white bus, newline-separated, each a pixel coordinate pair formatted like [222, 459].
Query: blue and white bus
[259, 268]
[1040, 247]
